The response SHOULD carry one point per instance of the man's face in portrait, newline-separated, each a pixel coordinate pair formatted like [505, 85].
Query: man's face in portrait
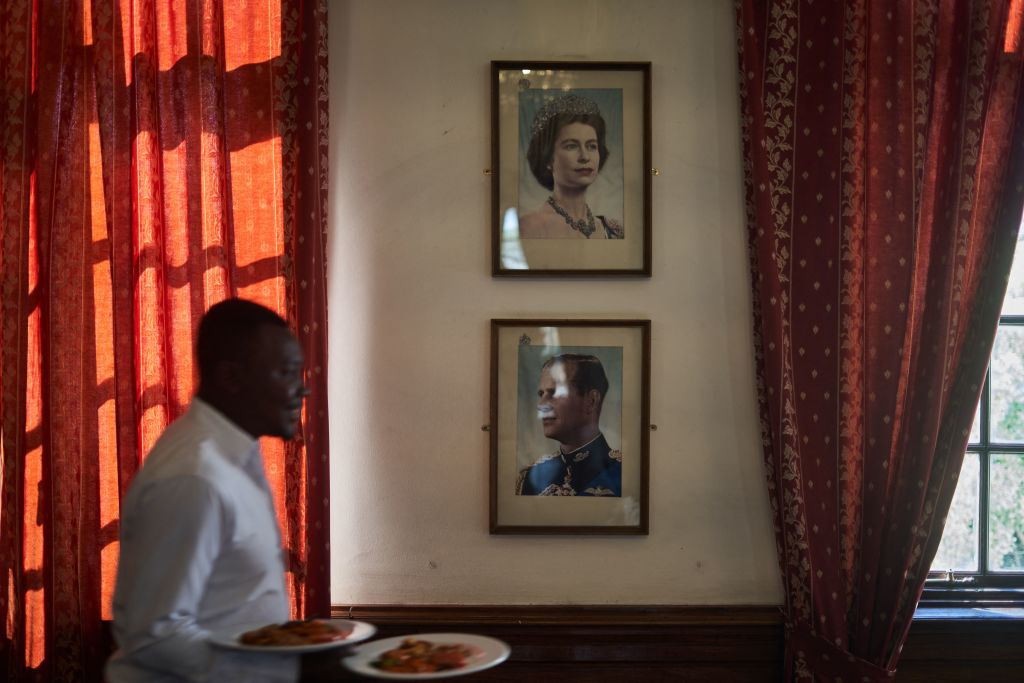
[563, 411]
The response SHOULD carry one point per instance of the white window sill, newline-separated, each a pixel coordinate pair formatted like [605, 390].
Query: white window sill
[969, 613]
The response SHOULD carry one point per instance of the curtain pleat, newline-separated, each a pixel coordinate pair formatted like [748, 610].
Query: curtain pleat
[884, 171]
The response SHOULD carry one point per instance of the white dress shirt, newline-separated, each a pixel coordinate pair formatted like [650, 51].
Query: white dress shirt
[200, 552]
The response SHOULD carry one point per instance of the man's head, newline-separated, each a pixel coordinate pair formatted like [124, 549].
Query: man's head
[572, 390]
[250, 368]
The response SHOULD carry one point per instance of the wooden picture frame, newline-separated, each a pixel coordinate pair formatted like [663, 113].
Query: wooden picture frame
[571, 168]
[569, 426]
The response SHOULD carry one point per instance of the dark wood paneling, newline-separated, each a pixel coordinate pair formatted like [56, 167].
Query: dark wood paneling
[648, 644]
[955, 650]
[679, 643]
[591, 643]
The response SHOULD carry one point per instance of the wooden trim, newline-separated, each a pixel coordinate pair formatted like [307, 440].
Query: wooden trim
[594, 643]
[966, 640]
[719, 643]
[571, 615]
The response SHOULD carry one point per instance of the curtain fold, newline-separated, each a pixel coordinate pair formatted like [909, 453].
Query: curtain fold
[155, 158]
[884, 163]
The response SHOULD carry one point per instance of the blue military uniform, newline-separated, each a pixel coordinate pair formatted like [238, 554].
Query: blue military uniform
[593, 469]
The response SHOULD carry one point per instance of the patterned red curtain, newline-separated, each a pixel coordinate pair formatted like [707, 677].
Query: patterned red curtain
[884, 150]
[156, 156]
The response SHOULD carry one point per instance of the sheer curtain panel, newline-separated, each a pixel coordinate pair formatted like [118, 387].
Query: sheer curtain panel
[156, 156]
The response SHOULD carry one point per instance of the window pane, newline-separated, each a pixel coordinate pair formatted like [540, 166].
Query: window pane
[1007, 423]
[1013, 304]
[959, 547]
[1006, 512]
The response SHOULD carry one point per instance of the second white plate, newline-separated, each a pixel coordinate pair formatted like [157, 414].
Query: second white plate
[490, 653]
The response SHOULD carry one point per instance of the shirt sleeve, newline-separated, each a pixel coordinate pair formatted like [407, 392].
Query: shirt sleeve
[167, 554]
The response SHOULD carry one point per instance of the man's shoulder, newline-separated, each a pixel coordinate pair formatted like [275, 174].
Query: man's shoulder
[186, 448]
[534, 477]
[543, 465]
[549, 459]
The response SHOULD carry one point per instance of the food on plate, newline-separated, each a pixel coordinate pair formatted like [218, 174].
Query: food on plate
[420, 656]
[307, 632]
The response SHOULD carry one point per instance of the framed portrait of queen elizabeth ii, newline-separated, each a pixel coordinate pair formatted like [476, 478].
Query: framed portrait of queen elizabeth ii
[571, 168]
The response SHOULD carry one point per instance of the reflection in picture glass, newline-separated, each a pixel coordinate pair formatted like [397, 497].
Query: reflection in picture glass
[570, 170]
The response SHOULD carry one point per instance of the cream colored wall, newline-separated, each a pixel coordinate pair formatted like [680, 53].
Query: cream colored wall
[411, 297]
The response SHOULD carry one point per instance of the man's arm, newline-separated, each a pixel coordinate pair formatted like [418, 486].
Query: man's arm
[168, 551]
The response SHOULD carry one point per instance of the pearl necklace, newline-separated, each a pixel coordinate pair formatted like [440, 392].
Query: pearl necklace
[585, 226]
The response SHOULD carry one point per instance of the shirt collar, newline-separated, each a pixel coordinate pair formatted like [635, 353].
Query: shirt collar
[234, 442]
[592, 461]
[585, 446]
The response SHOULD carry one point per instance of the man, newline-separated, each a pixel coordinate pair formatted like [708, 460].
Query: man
[200, 546]
[571, 393]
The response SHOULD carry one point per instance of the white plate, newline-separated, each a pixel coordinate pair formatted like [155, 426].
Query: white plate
[229, 639]
[491, 653]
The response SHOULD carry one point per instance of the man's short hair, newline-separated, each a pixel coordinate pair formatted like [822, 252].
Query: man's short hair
[226, 331]
[584, 372]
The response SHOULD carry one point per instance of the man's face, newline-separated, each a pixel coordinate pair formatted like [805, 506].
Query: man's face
[270, 383]
[563, 411]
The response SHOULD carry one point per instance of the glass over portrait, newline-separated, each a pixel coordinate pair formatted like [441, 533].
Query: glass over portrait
[569, 426]
[569, 421]
[570, 187]
[571, 152]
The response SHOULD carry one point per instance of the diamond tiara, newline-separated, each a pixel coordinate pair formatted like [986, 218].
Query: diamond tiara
[574, 105]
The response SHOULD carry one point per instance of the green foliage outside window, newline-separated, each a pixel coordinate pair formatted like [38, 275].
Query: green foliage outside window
[1006, 512]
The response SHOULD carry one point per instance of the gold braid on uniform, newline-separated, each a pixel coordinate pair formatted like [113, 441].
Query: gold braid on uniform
[600, 491]
[563, 489]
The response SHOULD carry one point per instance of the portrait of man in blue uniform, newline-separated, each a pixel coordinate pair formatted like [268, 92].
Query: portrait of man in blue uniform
[570, 395]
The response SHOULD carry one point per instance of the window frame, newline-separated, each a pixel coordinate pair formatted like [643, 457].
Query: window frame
[984, 587]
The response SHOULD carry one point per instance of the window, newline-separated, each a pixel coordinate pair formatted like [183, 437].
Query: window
[981, 557]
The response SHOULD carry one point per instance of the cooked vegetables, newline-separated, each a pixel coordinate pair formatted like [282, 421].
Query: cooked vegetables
[308, 632]
[419, 656]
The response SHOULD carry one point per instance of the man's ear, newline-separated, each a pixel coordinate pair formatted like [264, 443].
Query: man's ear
[593, 400]
[228, 376]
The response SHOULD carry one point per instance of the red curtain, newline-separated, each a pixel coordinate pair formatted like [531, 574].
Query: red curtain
[884, 151]
[157, 157]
